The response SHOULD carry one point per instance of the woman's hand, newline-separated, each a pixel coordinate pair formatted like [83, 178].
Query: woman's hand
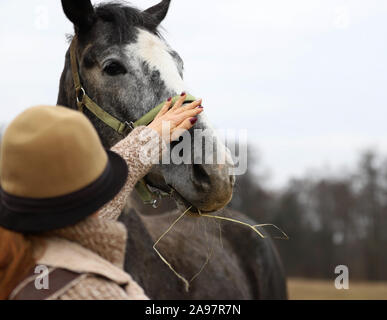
[180, 118]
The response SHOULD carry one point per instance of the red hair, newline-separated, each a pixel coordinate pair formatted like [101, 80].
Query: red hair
[16, 260]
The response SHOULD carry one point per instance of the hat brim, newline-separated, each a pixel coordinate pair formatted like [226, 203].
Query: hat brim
[41, 215]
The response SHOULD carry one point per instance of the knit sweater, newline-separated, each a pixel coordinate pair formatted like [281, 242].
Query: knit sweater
[95, 247]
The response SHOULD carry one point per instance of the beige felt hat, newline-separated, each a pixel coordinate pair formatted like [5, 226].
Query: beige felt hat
[54, 170]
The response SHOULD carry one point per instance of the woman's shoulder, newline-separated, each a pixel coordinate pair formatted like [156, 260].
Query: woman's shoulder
[98, 278]
[62, 284]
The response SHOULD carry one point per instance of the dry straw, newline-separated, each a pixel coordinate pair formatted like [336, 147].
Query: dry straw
[253, 227]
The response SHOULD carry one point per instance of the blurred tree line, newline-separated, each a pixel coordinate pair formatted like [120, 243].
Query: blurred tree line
[331, 220]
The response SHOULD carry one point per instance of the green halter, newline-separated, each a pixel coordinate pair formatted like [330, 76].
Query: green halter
[124, 128]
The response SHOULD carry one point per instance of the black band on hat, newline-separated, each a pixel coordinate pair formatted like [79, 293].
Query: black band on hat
[28, 215]
[58, 204]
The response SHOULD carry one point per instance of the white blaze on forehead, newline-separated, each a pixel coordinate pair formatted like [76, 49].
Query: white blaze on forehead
[154, 51]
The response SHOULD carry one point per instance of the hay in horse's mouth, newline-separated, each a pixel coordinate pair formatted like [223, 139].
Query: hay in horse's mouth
[183, 204]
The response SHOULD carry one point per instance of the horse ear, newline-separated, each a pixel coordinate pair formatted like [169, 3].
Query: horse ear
[80, 12]
[159, 11]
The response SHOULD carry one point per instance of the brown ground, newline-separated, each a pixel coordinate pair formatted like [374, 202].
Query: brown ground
[306, 289]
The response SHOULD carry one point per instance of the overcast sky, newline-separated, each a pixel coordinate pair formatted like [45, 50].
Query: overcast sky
[306, 78]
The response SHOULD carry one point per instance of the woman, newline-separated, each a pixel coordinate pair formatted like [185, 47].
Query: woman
[58, 186]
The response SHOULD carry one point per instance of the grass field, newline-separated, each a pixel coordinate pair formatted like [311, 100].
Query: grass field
[306, 289]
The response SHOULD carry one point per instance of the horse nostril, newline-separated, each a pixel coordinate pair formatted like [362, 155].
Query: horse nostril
[200, 177]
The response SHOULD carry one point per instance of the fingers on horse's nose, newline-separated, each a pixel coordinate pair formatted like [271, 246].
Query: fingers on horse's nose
[201, 179]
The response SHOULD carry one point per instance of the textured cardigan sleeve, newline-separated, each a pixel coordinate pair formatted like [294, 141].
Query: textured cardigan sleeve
[141, 149]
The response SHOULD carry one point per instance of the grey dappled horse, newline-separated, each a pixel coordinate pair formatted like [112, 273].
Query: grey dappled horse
[128, 68]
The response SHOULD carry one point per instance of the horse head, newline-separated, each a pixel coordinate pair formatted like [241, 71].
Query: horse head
[128, 68]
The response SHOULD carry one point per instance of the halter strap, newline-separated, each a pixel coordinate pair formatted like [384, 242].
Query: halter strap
[124, 128]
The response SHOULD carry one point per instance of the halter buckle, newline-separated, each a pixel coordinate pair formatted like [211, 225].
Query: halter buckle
[129, 127]
[80, 94]
[80, 97]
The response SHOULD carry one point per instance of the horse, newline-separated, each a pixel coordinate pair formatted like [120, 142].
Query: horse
[128, 68]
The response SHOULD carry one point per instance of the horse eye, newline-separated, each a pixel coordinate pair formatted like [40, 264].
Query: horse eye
[114, 69]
